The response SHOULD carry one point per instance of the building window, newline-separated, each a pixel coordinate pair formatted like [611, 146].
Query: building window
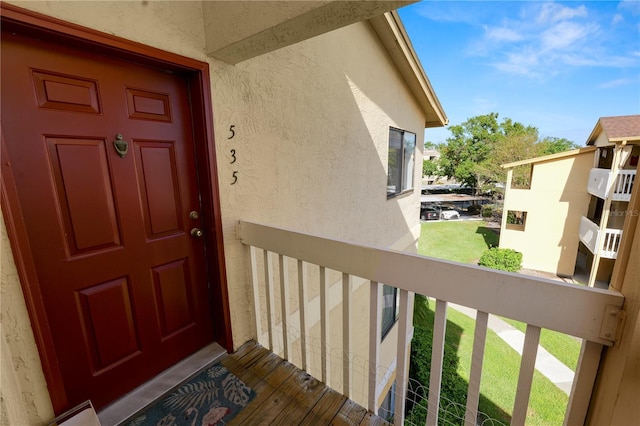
[516, 220]
[387, 408]
[390, 307]
[521, 177]
[402, 153]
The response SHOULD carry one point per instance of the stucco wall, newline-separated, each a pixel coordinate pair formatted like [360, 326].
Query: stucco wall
[311, 123]
[554, 204]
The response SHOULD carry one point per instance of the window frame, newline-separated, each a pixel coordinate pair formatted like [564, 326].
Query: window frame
[401, 158]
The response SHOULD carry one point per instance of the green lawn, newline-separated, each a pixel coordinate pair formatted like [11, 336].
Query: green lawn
[459, 241]
[465, 242]
[561, 346]
[547, 403]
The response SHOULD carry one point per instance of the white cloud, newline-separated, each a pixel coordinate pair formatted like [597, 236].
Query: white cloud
[502, 34]
[553, 12]
[617, 18]
[548, 38]
[565, 35]
[616, 83]
[632, 6]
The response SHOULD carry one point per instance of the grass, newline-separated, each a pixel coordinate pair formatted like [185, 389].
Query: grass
[565, 348]
[547, 403]
[458, 241]
[465, 242]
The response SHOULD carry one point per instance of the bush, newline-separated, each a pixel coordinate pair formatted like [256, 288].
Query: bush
[454, 388]
[503, 259]
[487, 210]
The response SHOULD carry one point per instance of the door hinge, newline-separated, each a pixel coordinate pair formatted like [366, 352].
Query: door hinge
[612, 323]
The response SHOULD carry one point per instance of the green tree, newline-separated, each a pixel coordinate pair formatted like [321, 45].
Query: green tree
[477, 149]
[469, 145]
[551, 145]
[430, 168]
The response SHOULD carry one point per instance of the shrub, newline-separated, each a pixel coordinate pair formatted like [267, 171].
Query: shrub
[454, 388]
[487, 210]
[502, 259]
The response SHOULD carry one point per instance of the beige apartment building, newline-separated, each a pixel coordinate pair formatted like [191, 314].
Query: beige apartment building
[569, 218]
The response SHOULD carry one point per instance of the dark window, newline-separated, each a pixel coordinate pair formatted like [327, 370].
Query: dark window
[390, 306]
[387, 407]
[402, 155]
[516, 220]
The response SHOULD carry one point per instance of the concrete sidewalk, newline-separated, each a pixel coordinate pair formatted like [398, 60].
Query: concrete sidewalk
[548, 365]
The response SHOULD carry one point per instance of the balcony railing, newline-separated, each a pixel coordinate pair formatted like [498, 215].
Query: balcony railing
[583, 312]
[622, 187]
[589, 233]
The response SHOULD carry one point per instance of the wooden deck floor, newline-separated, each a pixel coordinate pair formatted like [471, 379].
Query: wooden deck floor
[289, 396]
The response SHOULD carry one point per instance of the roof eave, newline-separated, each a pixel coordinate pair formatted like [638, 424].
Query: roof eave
[550, 157]
[394, 37]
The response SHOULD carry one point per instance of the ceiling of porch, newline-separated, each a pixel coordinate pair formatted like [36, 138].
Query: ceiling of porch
[237, 31]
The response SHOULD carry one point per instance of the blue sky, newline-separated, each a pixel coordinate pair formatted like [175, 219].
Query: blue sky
[558, 66]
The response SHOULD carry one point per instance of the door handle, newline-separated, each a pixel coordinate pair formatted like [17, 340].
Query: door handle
[196, 233]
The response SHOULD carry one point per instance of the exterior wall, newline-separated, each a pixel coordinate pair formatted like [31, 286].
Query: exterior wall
[311, 123]
[554, 204]
[615, 397]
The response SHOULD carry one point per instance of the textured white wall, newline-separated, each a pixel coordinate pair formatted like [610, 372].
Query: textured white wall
[311, 124]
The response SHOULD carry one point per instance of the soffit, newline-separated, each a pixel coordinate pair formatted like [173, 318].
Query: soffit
[239, 30]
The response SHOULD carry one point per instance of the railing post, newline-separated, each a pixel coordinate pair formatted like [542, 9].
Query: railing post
[437, 355]
[284, 302]
[268, 282]
[475, 376]
[302, 304]
[582, 387]
[256, 291]
[375, 334]
[525, 378]
[346, 334]
[324, 326]
[402, 365]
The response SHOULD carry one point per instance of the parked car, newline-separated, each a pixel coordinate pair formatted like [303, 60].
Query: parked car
[429, 213]
[449, 214]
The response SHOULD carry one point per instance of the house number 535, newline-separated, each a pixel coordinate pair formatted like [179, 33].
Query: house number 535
[234, 174]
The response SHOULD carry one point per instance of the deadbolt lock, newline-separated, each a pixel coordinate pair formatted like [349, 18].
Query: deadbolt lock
[194, 215]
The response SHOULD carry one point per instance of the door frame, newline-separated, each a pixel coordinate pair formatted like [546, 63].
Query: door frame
[199, 90]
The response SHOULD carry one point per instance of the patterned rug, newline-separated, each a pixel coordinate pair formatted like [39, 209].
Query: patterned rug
[212, 397]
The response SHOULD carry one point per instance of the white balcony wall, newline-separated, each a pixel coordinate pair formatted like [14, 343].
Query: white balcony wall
[589, 233]
[622, 187]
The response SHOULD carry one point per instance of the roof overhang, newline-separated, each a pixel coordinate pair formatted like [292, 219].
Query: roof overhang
[394, 37]
[239, 30]
[614, 132]
[550, 157]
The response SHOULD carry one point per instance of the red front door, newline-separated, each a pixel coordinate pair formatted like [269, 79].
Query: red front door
[123, 281]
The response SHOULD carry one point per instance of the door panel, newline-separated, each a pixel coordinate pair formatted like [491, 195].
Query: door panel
[123, 282]
[85, 198]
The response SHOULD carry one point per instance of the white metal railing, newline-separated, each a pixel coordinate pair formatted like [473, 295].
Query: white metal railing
[599, 181]
[589, 233]
[583, 312]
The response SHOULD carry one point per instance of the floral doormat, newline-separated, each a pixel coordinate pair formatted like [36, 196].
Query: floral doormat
[212, 397]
